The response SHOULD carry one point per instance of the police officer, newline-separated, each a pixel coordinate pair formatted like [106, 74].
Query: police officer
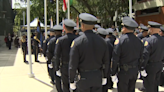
[127, 53]
[144, 33]
[51, 63]
[24, 47]
[102, 32]
[89, 56]
[136, 32]
[140, 34]
[36, 43]
[45, 52]
[45, 42]
[110, 39]
[153, 56]
[110, 36]
[62, 50]
[162, 74]
[96, 27]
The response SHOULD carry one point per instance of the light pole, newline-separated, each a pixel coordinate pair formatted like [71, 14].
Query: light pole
[31, 75]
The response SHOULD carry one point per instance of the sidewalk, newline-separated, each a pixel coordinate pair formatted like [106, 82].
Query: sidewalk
[14, 74]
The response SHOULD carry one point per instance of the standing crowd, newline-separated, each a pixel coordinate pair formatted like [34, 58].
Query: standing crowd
[91, 60]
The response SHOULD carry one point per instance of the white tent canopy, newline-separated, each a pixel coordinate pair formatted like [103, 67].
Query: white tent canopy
[34, 23]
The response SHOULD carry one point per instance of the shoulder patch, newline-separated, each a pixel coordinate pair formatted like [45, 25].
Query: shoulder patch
[44, 41]
[116, 42]
[72, 44]
[146, 43]
[57, 41]
[142, 41]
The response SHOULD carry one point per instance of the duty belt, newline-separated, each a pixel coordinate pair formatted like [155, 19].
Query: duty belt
[81, 70]
[127, 67]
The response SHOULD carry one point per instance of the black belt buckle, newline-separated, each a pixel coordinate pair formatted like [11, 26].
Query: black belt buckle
[126, 67]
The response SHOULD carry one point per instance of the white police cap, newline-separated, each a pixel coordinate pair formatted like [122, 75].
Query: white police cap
[102, 31]
[88, 18]
[69, 23]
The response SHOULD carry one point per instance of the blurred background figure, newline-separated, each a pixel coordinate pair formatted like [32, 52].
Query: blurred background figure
[5, 39]
[16, 42]
[9, 41]
[24, 47]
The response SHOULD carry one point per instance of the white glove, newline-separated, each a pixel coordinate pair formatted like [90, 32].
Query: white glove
[39, 45]
[73, 86]
[114, 78]
[50, 66]
[143, 73]
[104, 81]
[46, 58]
[58, 73]
[139, 75]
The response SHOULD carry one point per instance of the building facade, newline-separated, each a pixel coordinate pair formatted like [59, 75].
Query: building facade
[6, 17]
[149, 10]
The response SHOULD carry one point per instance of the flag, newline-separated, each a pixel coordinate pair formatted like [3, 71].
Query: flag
[51, 22]
[65, 5]
[65, 2]
[77, 22]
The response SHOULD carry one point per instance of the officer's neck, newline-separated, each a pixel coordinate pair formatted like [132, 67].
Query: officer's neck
[69, 32]
[86, 29]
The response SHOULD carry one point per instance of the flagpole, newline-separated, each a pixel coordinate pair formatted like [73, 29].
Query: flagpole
[68, 9]
[130, 8]
[31, 75]
[57, 12]
[45, 17]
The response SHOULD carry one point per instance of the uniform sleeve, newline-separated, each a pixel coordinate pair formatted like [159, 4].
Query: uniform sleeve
[146, 52]
[106, 62]
[116, 56]
[74, 61]
[57, 55]
[141, 60]
[45, 47]
[50, 50]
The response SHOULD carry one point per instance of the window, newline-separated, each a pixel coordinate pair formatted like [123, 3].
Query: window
[150, 11]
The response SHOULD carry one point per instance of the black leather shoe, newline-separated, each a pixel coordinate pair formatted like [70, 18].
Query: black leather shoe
[37, 61]
[26, 62]
[53, 83]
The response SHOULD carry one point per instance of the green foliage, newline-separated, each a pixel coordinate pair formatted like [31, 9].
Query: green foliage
[102, 9]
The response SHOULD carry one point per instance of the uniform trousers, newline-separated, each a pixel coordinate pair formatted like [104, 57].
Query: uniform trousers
[127, 80]
[24, 48]
[90, 81]
[50, 71]
[109, 84]
[65, 78]
[36, 49]
[152, 80]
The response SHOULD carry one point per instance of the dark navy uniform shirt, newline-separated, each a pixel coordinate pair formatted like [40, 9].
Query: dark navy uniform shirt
[154, 49]
[45, 42]
[128, 50]
[62, 49]
[88, 52]
[51, 47]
